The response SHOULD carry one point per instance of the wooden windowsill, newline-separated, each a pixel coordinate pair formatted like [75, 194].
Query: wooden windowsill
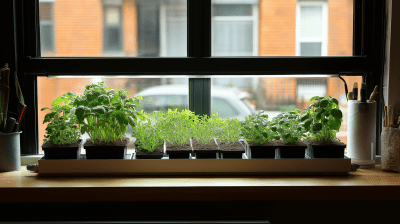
[364, 184]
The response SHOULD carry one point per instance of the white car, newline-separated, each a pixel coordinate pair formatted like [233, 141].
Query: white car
[228, 102]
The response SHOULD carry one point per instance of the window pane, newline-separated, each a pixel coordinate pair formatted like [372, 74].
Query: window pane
[128, 28]
[279, 27]
[232, 10]
[157, 93]
[310, 49]
[311, 21]
[246, 95]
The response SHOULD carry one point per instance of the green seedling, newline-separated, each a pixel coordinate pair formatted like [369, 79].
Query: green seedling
[256, 128]
[178, 126]
[288, 126]
[106, 115]
[206, 128]
[230, 131]
[322, 119]
[148, 133]
[62, 125]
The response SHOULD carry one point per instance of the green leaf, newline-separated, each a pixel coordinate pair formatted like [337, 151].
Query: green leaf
[307, 124]
[323, 103]
[57, 101]
[314, 98]
[99, 109]
[45, 108]
[274, 128]
[336, 113]
[317, 127]
[304, 117]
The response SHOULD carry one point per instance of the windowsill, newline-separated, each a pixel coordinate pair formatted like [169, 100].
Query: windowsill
[24, 186]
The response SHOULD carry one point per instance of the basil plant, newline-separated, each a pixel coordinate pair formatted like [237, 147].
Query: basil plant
[322, 118]
[62, 125]
[288, 126]
[106, 115]
[256, 128]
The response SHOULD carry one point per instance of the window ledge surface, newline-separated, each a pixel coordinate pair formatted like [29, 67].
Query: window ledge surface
[363, 184]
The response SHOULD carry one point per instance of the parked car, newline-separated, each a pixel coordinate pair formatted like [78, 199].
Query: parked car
[228, 102]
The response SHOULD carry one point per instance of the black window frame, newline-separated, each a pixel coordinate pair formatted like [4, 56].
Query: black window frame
[368, 58]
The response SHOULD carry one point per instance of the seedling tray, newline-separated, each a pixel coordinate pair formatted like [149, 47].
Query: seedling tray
[192, 166]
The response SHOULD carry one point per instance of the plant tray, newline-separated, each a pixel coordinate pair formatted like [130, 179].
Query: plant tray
[192, 166]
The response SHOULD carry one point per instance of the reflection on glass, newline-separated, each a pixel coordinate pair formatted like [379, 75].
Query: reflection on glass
[242, 96]
[157, 94]
[129, 28]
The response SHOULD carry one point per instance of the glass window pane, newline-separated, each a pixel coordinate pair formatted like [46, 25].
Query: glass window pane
[276, 94]
[278, 27]
[310, 49]
[157, 93]
[156, 28]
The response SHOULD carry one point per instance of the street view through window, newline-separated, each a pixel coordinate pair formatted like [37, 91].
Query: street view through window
[158, 28]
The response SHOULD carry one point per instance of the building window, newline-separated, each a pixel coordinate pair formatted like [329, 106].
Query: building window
[162, 28]
[46, 26]
[234, 28]
[112, 25]
[311, 28]
[308, 88]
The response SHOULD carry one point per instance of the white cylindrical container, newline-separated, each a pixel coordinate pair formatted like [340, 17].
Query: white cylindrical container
[10, 151]
[361, 133]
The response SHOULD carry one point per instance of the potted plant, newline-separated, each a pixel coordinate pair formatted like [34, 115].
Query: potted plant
[228, 140]
[177, 128]
[10, 152]
[289, 128]
[62, 132]
[259, 137]
[323, 119]
[203, 141]
[105, 116]
[149, 142]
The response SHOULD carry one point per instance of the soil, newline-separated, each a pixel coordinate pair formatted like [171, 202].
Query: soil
[157, 151]
[49, 144]
[236, 146]
[197, 146]
[329, 142]
[122, 142]
[185, 147]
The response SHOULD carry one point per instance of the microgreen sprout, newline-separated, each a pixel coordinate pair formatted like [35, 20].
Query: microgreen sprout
[178, 126]
[230, 131]
[148, 133]
[206, 128]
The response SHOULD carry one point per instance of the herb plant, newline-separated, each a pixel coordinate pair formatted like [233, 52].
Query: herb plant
[62, 125]
[230, 131]
[256, 128]
[288, 126]
[177, 126]
[322, 118]
[148, 133]
[106, 115]
[206, 128]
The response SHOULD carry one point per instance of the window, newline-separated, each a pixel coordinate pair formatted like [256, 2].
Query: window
[46, 26]
[311, 28]
[112, 25]
[279, 41]
[234, 29]
[308, 88]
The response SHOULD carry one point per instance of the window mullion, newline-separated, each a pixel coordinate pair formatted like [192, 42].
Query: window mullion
[199, 45]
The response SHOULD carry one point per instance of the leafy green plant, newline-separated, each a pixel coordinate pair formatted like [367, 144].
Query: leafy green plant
[322, 118]
[256, 128]
[230, 131]
[148, 133]
[62, 125]
[106, 115]
[206, 128]
[177, 126]
[288, 126]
